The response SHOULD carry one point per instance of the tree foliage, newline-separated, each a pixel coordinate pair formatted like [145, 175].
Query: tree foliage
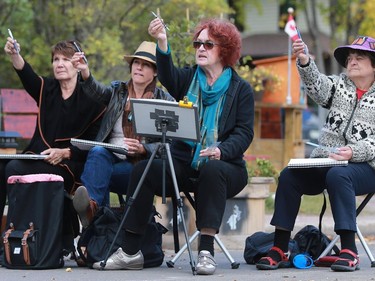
[107, 29]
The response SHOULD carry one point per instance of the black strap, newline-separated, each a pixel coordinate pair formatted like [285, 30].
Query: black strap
[175, 226]
[324, 207]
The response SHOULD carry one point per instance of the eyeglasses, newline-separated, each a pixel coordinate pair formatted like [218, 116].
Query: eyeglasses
[208, 45]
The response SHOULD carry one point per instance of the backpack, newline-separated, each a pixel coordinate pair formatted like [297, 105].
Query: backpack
[96, 239]
[311, 241]
[34, 228]
[258, 244]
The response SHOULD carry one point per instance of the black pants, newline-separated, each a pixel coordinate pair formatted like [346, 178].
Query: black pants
[216, 182]
[343, 184]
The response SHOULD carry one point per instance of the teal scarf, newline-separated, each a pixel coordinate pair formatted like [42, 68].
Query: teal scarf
[210, 100]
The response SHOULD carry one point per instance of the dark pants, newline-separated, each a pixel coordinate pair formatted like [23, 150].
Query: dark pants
[342, 183]
[216, 182]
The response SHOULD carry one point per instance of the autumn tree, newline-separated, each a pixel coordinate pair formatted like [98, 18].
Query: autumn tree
[106, 29]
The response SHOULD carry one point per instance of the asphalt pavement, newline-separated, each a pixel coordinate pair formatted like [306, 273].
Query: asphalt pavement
[235, 244]
[182, 271]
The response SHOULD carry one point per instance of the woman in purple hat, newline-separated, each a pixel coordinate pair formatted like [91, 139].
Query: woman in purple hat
[349, 128]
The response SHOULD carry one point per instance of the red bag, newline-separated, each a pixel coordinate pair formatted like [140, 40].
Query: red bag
[326, 261]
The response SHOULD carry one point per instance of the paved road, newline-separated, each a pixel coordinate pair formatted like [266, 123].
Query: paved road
[182, 271]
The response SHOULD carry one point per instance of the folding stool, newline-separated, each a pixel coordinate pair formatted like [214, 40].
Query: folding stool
[171, 263]
[359, 233]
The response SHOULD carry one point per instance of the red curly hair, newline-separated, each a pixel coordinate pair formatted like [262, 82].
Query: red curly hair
[226, 35]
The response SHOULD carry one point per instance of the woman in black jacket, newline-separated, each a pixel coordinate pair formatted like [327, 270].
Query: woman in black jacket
[64, 112]
[226, 111]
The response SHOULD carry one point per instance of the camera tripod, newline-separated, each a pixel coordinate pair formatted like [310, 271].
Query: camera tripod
[164, 148]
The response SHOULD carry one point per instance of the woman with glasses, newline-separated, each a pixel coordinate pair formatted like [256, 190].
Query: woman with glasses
[350, 129]
[226, 112]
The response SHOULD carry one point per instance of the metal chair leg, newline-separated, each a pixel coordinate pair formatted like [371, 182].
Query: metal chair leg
[359, 234]
[365, 246]
[234, 264]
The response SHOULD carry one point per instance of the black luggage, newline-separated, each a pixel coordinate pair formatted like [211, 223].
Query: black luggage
[33, 235]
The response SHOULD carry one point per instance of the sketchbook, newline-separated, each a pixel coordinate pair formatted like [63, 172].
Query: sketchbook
[87, 145]
[23, 156]
[315, 162]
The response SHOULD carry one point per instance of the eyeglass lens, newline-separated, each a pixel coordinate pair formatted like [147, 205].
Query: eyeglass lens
[207, 45]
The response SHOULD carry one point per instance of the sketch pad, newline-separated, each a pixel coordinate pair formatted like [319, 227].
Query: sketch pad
[315, 163]
[147, 113]
[87, 145]
[25, 156]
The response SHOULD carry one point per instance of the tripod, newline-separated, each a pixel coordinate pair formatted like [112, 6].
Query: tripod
[164, 148]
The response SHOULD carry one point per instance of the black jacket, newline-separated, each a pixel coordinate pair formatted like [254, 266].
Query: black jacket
[235, 130]
[60, 120]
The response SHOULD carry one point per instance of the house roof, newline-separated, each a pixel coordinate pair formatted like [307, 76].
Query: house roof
[276, 44]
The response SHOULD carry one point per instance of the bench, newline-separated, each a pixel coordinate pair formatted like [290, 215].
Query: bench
[18, 119]
[18, 114]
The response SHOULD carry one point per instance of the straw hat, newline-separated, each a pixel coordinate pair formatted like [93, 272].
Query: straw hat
[363, 43]
[145, 51]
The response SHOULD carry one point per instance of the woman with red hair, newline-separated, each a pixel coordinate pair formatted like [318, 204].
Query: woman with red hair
[226, 113]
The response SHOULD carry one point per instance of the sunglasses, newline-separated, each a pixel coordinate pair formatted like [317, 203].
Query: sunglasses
[208, 45]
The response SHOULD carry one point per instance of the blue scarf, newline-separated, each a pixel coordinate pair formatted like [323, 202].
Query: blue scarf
[210, 100]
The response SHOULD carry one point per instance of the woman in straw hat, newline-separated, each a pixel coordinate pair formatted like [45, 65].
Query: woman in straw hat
[226, 108]
[104, 170]
[348, 134]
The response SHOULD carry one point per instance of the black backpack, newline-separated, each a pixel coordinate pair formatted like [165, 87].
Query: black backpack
[258, 244]
[311, 241]
[34, 229]
[96, 239]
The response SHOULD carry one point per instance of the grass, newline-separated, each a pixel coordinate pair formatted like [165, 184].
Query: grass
[309, 205]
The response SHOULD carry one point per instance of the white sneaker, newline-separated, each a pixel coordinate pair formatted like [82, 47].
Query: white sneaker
[121, 260]
[206, 263]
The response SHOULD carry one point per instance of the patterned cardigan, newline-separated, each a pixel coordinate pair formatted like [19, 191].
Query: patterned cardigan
[350, 122]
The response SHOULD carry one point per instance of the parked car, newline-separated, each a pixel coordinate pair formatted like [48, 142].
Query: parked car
[311, 126]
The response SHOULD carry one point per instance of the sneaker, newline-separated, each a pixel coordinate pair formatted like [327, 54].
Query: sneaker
[121, 260]
[206, 263]
[84, 206]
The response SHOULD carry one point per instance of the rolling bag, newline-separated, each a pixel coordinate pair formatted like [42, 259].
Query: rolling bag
[33, 235]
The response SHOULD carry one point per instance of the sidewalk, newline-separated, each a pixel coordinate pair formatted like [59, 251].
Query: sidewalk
[182, 272]
[182, 268]
[235, 245]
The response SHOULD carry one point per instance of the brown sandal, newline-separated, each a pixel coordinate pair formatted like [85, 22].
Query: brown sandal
[267, 263]
[342, 264]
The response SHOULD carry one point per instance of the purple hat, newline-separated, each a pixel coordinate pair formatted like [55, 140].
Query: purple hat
[363, 43]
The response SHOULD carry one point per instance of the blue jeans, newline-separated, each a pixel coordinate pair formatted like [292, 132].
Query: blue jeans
[104, 172]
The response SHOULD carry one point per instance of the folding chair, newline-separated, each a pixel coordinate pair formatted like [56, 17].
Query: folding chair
[171, 263]
[359, 233]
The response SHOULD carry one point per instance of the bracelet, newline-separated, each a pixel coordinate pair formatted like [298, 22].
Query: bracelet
[70, 153]
[304, 65]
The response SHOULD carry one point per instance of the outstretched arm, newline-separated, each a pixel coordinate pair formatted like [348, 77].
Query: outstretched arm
[157, 30]
[14, 54]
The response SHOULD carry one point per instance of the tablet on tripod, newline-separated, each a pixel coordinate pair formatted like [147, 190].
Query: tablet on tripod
[181, 121]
